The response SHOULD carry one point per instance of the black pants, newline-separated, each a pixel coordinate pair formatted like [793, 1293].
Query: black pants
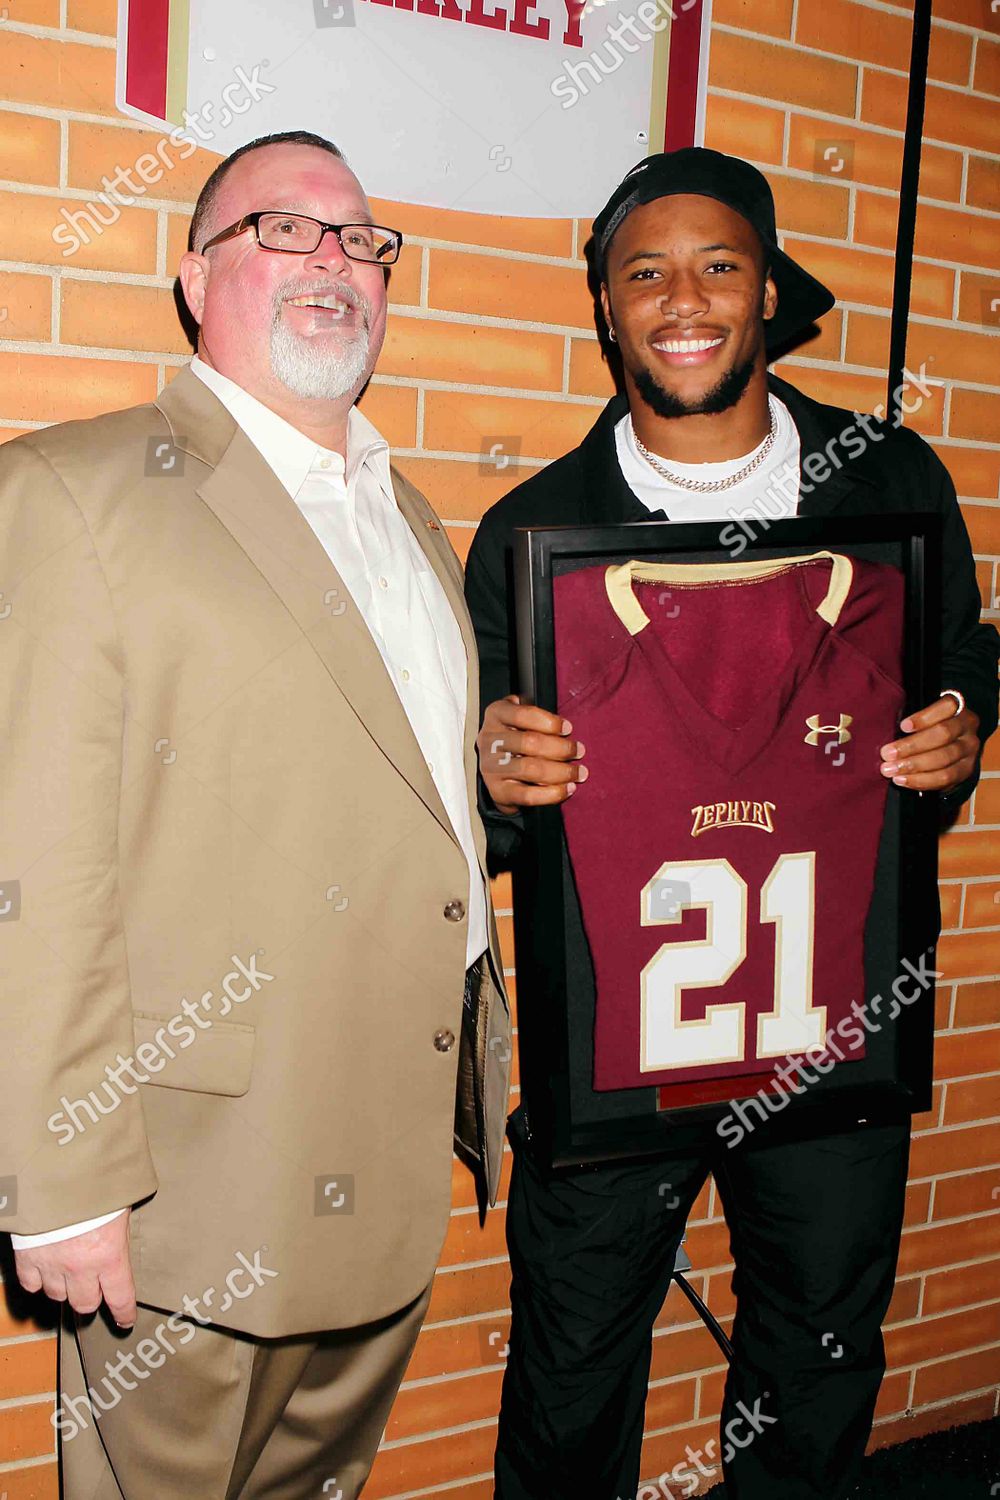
[815, 1229]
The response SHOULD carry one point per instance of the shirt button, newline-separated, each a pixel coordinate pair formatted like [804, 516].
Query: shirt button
[324, 463]
[383, 583]
[455, 911]
[444, 1040]
[405, 675]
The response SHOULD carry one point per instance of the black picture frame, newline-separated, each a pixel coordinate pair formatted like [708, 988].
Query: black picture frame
[571, 1124]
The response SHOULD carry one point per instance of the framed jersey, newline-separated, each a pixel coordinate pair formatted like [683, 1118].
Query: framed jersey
[732, 922]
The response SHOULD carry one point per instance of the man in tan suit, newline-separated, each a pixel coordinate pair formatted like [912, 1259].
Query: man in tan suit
[252, 976]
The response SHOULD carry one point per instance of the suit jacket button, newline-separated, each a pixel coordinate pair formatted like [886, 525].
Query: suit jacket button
[444, 1040]
[455, 911]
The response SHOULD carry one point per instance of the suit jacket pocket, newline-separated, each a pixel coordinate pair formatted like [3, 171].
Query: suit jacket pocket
[171, 1054]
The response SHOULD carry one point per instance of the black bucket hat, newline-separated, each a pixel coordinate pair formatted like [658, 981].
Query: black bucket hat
[730, 180]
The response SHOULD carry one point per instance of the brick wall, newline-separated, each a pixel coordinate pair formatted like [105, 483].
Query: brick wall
[492, 341]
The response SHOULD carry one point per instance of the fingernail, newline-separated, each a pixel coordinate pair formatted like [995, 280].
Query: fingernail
[899, 781]
[570, 788]
[888, 753]
[581, 749]
[906, 724]
[582, 774]
[566, 727]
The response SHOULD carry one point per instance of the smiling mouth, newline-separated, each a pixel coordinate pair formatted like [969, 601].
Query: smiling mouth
[686, 345]
[331, 302]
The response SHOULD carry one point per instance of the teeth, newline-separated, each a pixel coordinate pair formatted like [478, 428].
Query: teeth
[308, 300]
[686, 346]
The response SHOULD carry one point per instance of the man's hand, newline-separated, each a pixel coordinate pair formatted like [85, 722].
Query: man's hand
[527, 757]
[939, 751]
[84, 1271]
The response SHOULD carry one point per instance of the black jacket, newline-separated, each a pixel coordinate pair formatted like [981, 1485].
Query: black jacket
[896, 472]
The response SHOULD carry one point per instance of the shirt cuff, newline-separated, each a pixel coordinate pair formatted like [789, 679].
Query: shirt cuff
[68, 1232]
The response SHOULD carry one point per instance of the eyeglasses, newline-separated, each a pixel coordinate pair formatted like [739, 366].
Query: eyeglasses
[299, 235]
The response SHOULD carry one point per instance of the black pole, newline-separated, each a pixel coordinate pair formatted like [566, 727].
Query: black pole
[908, 186]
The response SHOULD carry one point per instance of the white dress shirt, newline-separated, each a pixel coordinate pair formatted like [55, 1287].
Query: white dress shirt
[353, 512]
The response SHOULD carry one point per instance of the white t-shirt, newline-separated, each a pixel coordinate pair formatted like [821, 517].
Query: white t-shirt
[770, 492]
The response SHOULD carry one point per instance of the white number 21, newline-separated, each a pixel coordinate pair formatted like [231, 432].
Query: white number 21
[787, 900]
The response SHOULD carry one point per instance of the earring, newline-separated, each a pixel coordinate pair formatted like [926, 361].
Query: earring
[612, 336]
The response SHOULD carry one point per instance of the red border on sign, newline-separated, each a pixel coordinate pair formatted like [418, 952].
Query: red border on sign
[687, 38]
[146, 33]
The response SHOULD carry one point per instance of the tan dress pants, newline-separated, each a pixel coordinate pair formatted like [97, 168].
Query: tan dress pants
[225, 1416]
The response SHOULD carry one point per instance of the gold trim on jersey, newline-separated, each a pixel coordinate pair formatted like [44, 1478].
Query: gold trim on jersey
[736, 814]
[618, 580]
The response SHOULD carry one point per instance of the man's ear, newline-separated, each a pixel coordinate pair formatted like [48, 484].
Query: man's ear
[193, 273]
[606, 305]
[770, 306]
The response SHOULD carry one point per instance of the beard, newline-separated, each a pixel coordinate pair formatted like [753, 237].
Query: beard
[723, 395]
[311, 367]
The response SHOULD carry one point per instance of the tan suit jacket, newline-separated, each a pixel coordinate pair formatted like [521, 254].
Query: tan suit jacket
[208, 775]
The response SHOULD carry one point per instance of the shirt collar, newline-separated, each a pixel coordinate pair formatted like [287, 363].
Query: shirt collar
[288, 451]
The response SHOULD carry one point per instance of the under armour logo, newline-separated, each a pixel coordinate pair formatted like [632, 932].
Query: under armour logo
[840, 730]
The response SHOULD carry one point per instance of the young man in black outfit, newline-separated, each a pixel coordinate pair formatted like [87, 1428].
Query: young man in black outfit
[694, 289]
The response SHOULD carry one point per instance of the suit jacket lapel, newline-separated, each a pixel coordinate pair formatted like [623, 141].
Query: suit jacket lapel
[250, 502]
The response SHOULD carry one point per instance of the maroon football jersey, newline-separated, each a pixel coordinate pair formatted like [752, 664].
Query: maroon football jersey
[724, 844]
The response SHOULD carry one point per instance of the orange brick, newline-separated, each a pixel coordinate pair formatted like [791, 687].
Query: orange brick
[975, 1099]
[875, 217]
[876, 158]
[26, 1431]
[955, 1377]
[947, 1334]
[497, 231]
[942, 1002]
[806, 207]
[53, 388]
[929, 1119]
[457, 489]
[964, 954]
[466, 1290]
[982, 903]
[461, 423]
[825, 342]
[177, 237]
[766, 70]
[854, 31]
[97, 16]
[40, 1482]
[954, 1151]
[963, 1286]
[393, 409]
[982, 189]
[987, 74]
[33, 12]
[978, 1004]
[31, 219]
[971, 1193]
[25, 306]
[110, 315]
[953, 234]
[589, 373]
[29, 148]
[670, 1404]
[973, 415]
[27, 1369]
[969, 853]
[934, 1419]
[967, 1054]
[682, 1350]
[948, 353]
[68, 75]
[951, 905]
[894, 1394]
[773, 17]
[465, 1240]
[503, 895]
[463, 1184]
[153, 165]
[988, 804]
[743, 129]
[420, 1409]
[498, 288]
[964, 12]
[867, 278]
[838, 387]
[977, 293]
[436, 350]
[917, 1207]
[983, 522]
[883, 102]
[449, 1458]
[458, 1346]
[404, 278]
[905, 1301]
